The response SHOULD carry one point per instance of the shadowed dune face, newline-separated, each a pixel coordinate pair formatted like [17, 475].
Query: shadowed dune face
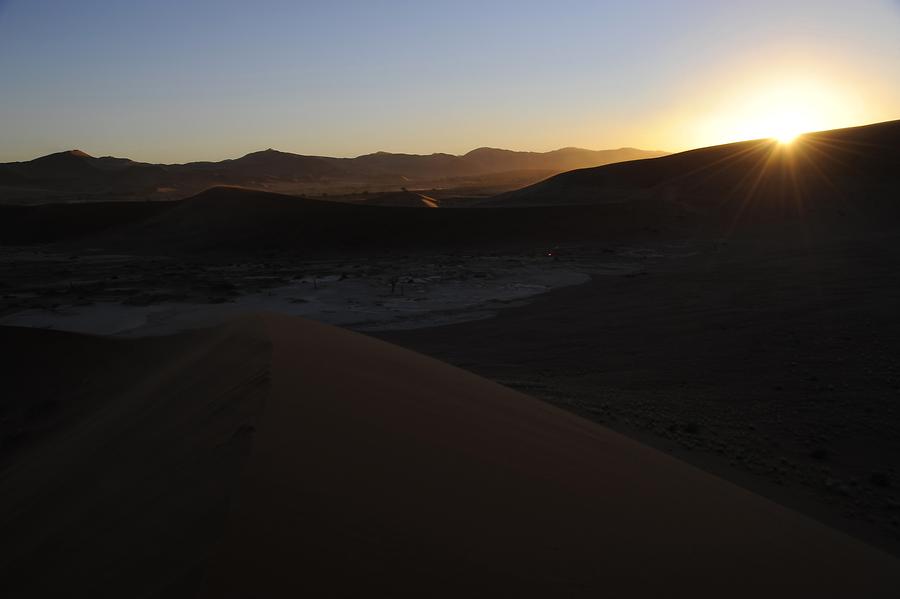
[224, 220]
[117, 471]
[356, 467]
[52, 223]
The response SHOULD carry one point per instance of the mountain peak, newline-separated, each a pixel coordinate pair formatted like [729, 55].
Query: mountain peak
[574, 149]
[486, 150]
[74, 157]
[266, 152]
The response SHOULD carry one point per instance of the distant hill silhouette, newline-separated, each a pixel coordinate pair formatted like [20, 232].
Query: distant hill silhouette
[77, 171]
[838, 180]
[72, 164]
[281, 165]
[565, 159]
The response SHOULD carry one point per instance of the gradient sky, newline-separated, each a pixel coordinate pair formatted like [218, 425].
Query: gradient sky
[172, 81]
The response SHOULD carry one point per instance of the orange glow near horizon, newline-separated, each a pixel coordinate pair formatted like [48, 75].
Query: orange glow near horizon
[787, 136]
[772, 106]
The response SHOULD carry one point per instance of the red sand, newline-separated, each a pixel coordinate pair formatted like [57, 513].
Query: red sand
[377, 471]
[280, 457]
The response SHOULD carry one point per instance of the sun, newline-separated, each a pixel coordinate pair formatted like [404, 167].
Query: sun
[786, 137]
[780, 109]
[782, 122]
[785, 131]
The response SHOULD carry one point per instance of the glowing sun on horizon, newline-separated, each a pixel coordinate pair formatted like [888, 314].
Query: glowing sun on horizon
[785, 128]
[783, 119]
[779, 110]
[786, 137]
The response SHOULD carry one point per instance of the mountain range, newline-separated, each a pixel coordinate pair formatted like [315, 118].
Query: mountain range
[75, 171]
[842, 179]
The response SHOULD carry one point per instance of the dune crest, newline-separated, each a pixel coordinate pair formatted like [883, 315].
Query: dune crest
[825, 163]
[375, 469]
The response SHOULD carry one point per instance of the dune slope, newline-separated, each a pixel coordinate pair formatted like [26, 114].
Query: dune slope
[119, 458]
[376, 470]
[353, 467]
[750, 176]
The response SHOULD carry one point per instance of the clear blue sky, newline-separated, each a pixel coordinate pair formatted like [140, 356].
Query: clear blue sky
[201, 79]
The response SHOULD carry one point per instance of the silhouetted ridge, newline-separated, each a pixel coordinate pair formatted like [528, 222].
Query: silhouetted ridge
[821, 164]
[74, 170]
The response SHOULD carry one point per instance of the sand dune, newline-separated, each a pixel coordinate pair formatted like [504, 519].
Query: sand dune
[757, 175]
[358, 468]
[228, 219]
[119, 459]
